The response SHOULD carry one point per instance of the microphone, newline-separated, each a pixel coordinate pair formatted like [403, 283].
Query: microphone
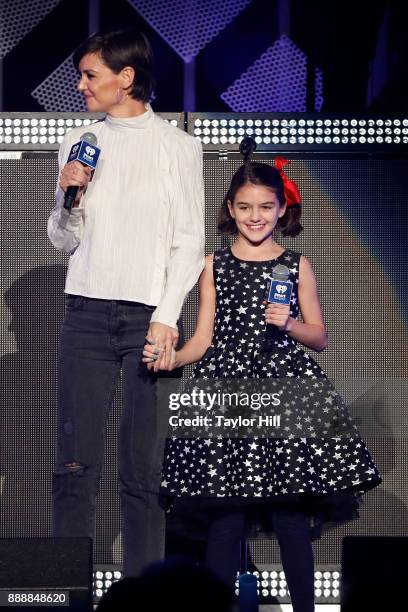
[280, 287]
[86, 152]
[278, 291]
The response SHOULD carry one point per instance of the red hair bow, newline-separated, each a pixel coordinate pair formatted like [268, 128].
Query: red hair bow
[292, 193]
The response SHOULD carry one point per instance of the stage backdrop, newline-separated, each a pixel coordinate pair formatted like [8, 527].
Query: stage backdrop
[354, 217]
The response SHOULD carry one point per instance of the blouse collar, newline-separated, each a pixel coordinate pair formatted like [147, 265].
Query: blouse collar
[140, 122]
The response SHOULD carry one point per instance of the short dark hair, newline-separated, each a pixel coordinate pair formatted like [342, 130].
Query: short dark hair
[123, 48]
[268, 176]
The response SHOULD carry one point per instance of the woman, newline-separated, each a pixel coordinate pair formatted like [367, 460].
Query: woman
[135, 236]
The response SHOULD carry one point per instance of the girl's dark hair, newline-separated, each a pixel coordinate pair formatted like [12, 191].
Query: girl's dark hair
[120, 49]
[259, 174]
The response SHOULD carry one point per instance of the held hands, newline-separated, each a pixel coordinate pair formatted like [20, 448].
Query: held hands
[277, 314]
[159, 351]
[74, 174]
[155, 357]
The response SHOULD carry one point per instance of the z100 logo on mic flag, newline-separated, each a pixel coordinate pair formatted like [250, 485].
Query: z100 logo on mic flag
[85, 153]
[280, 292]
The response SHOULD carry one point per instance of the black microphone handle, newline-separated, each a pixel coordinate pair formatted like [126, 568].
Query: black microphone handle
[70, 197]
[273, 332]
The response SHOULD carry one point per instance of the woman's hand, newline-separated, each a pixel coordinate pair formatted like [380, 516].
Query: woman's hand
[74, 174]
[152, 354]
[278, 314]
[165, 339]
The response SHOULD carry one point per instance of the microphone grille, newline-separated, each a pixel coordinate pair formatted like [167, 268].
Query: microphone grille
[89, 137]
[280, 272]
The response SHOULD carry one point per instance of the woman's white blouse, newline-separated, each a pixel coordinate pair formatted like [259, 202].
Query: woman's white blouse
[138, 233]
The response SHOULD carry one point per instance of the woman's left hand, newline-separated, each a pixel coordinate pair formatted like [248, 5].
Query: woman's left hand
[278, 314]
[151, 354]
[164, 337]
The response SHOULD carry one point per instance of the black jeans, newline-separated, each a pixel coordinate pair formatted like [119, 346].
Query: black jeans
[293, 534]
[100, 338]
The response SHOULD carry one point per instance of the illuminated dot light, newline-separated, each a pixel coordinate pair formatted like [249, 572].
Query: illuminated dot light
[47, 131]
[50, 131]
[38, 130]
[273, 584]
[102, 580]
[302, 131]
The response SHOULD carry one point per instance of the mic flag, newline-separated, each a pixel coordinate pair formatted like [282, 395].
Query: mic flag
[85, 151]
[280, 287]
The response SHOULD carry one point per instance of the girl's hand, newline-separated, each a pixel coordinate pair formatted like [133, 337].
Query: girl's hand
[278, 314]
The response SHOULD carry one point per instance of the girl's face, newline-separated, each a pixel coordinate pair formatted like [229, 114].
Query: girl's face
[256, 211]
[103, 89]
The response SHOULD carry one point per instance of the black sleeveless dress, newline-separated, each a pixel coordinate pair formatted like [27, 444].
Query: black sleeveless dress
[324, 469]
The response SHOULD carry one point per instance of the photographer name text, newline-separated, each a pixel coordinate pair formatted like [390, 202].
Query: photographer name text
[221, 421]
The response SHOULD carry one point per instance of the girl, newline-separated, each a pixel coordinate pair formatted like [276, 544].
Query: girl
[298, 482]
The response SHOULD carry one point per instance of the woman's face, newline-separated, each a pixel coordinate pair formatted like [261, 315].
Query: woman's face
[102, 88]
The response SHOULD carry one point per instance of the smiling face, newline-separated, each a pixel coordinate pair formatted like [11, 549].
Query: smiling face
[256, 211]
[103, 89]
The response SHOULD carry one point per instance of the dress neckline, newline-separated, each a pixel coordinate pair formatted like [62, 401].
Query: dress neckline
[250, 261]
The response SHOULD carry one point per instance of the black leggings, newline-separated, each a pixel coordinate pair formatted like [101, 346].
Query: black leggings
[293, 533]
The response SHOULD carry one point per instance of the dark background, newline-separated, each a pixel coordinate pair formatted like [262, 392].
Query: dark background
[360, 49]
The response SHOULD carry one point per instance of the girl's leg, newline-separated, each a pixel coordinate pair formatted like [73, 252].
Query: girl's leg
[293, 534]
[223, 547]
